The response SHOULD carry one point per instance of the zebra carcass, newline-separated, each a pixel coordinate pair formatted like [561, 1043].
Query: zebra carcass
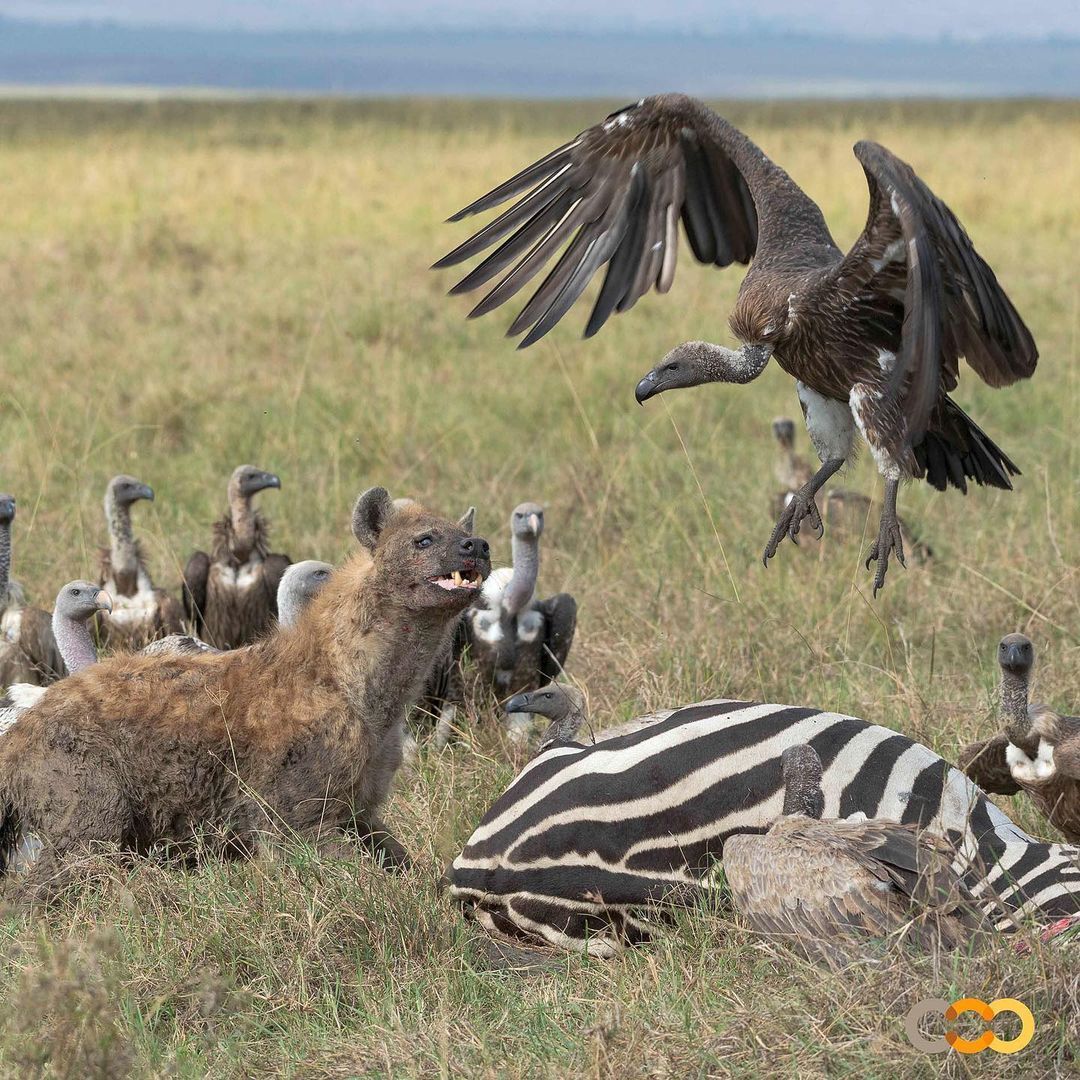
[589, 843]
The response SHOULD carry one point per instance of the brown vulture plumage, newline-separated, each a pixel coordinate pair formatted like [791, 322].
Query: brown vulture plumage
[1038, 749]
[873, 337]
[826, 887]
[230, 595]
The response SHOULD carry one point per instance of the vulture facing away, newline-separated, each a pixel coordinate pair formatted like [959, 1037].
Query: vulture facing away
[1037, 750]
[140, 612]
[520, 642]
[28, 652]
[824, 886]
[230, 595]
[872, 337]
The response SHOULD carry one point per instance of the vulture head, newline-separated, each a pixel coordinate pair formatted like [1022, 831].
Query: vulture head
[300, 584]
[561, 703]
[1016, 655]
[801, 768]
[422, 560]
[783, 428]
[247, 481]
[7, 509]
[78, 600]
[527, 521]
[125, 490]
[697, 362]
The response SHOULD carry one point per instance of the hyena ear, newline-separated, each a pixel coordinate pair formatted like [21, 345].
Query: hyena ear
[370, 515]
[467, 521]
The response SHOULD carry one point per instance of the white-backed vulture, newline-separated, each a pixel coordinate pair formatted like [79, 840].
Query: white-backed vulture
[1037, 750]
[519, 641]
[872, 338]
[28, 652]
[827, 886]
[560, 703]
[141, 612]
[300, 584]
[230, 595]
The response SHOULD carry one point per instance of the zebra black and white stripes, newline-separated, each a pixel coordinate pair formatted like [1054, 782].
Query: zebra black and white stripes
[588, 838]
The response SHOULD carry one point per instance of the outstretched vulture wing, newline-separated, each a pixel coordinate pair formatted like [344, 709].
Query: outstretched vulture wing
[560, 621]
[613, 195]
[913, 249]
[196, 575]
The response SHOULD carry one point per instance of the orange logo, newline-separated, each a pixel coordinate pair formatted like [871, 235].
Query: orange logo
[986, 1041]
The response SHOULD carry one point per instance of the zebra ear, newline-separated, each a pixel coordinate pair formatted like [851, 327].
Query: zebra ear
[370, 515]
[467, 521]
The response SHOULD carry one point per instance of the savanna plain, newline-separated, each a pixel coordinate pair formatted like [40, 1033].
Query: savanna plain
[188, 286]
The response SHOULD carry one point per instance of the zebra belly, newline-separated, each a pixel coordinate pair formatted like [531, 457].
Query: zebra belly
[587, 838]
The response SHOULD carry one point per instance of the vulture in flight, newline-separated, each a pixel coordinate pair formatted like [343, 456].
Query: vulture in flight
[1037, 749]
[519, 641]
[28, 652]
[230, 595]
[872, 337]
[823, 886]
[140, 612]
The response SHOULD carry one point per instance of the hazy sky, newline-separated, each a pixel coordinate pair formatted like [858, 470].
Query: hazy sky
[862, 18]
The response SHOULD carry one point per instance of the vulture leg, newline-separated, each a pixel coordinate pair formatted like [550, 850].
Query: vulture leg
[800, 507]
[888, 541]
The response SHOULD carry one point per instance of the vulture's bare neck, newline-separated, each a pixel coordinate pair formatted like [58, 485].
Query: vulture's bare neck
[1014, 712]
[5, 561]
[74, 642]
[243, 518]
[525, 559]
[123, 551]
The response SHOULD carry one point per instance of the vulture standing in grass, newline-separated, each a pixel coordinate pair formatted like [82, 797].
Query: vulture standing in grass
[824, 885]
[1037, 749]
[140, 612]
[520, 642]
[28, 652]
[873, 337]
[76, 602]
[562, 704]
[847, 511]
[230, 595]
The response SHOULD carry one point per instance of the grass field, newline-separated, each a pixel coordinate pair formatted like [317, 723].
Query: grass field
[184, 287]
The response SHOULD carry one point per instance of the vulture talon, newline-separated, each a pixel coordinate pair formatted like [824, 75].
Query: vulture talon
[888, 540]
[801, 507]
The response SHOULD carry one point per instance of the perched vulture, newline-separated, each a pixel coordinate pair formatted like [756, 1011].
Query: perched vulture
[848, 512]
[140, 612]
[873, 337]
[300, 584]
[1037, 749]
[520, 642]
[28, 652]
[562, 704]
[230, 595]
[76, 602]
[824, 885]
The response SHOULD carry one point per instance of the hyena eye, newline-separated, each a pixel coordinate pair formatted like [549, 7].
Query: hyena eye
[424, 542]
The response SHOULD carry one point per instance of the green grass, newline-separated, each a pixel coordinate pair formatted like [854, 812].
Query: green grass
[186, 286]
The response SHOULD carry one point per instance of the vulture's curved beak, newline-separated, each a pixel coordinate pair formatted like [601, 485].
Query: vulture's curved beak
[104, 601]
[269, 480]
[534, 523]
[649, 387]
[144, 491]
[518, 703]
[7, 509]
[1014, 657]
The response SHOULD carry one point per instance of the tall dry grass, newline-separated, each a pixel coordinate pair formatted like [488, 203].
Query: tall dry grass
[188, 286]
